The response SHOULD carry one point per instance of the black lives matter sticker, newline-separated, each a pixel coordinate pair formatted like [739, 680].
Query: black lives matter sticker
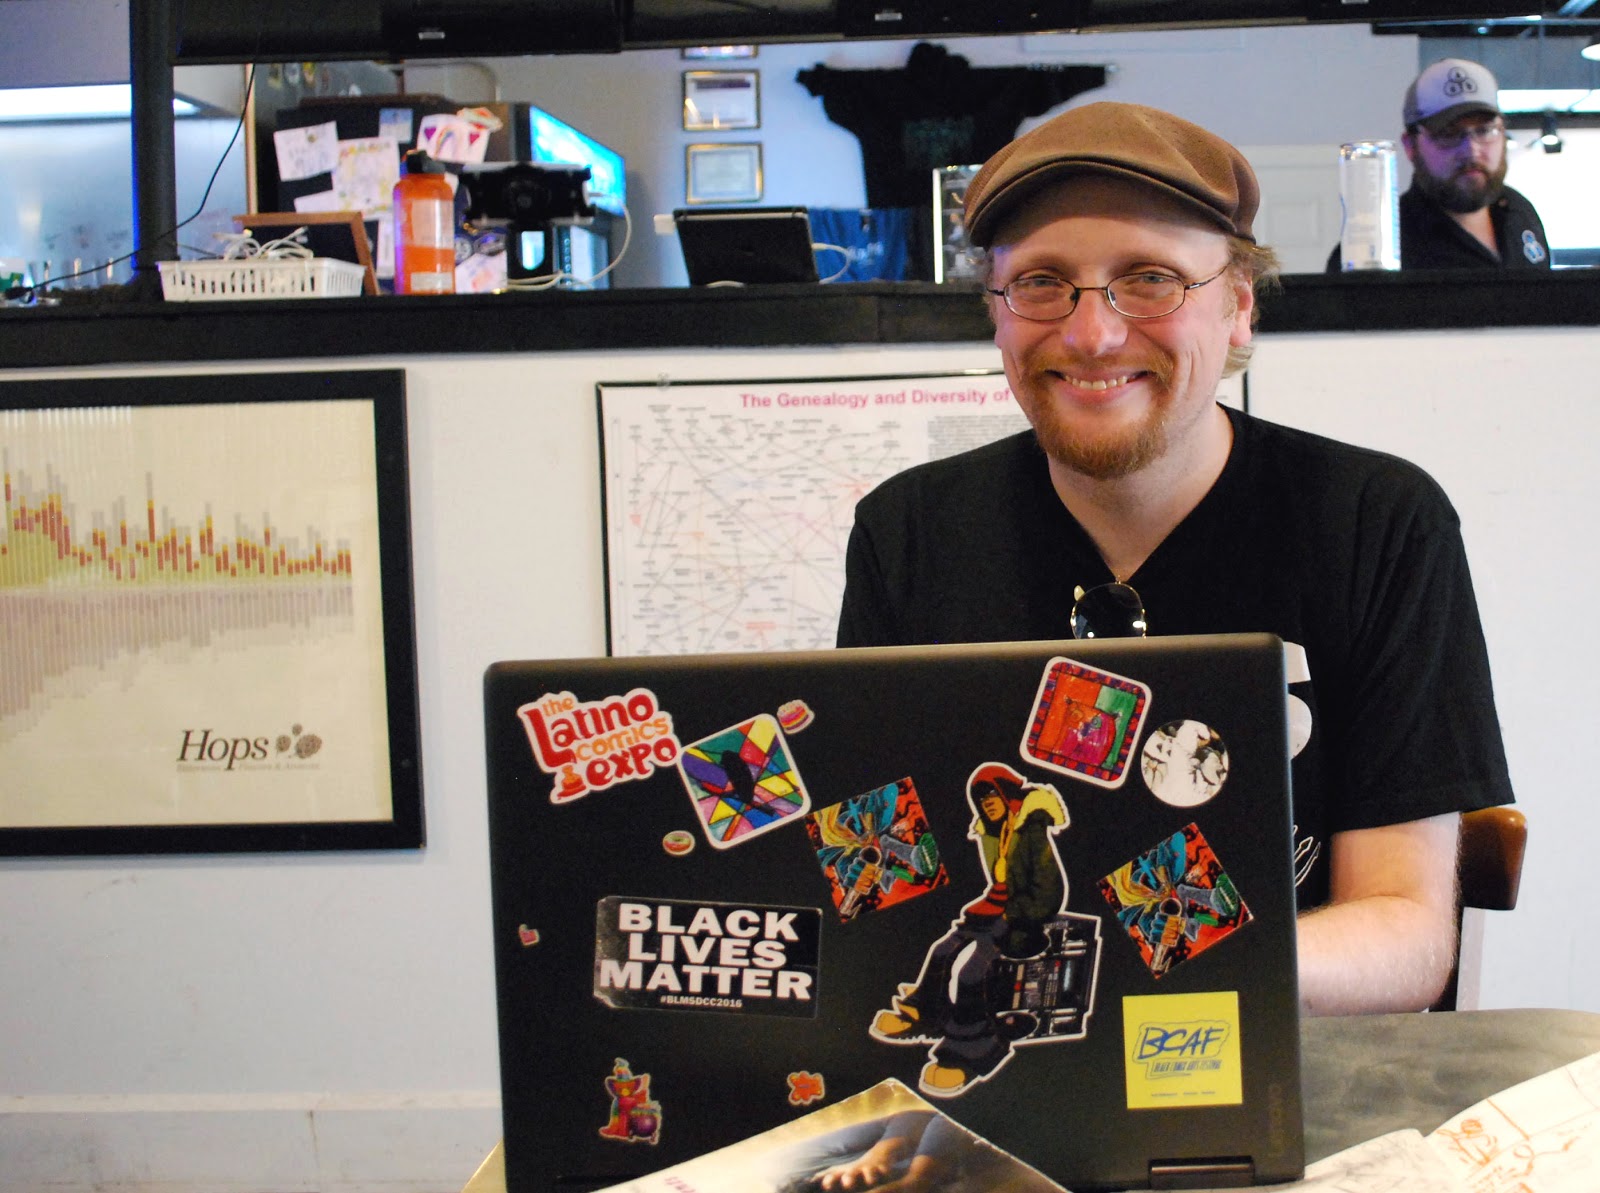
[681, 955]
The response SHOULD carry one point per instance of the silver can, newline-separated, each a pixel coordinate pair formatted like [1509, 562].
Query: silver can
[1369, 192]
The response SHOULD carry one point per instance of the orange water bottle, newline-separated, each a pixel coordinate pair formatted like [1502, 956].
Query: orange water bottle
[424, 228]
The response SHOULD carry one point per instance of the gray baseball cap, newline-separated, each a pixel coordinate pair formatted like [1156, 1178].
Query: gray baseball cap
[1450, 88]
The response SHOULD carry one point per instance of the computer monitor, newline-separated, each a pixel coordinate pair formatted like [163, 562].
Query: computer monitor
[555, 142]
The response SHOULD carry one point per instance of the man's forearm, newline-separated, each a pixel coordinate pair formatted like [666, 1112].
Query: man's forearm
[1387, 937]
[1383, 953]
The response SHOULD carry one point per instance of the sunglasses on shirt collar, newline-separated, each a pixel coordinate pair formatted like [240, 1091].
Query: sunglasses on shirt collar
[1112, 610]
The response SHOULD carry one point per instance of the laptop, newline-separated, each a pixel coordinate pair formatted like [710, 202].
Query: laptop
[724, 246]
[1046, 885]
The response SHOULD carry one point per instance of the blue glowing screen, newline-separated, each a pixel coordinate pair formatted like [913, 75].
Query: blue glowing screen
[557, 143]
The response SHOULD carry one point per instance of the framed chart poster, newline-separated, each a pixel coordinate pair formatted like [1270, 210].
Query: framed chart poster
[206, 627]
[728, 504]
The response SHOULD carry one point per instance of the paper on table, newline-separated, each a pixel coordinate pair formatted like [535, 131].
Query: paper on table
[1542, 1136]
[1399, 1162]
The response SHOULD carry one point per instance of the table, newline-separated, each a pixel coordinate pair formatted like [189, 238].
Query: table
[1366, 1075]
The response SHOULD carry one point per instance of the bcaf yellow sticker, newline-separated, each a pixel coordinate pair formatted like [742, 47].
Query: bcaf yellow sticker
[1182, 1050]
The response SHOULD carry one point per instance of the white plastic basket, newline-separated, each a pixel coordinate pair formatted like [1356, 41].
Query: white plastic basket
[274, 277]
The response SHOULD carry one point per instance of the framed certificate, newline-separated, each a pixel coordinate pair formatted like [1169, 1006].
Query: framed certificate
[714, 100]
[205, 594]
[724, 172]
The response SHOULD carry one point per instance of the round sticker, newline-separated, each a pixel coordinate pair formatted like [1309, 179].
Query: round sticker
[1299, 725]
[678, 842]
[1184, 763]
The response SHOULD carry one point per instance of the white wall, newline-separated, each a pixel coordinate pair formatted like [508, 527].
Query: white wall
[1504, 421]
[54, 43]
[279, 1024]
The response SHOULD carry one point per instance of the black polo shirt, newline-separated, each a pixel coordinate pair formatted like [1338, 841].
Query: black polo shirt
[1430, 239]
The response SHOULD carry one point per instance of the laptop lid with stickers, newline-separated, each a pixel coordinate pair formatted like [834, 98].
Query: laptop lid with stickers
[1048, 886]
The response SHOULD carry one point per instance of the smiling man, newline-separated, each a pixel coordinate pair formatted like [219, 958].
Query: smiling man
[1122, 274]
[1458, 212]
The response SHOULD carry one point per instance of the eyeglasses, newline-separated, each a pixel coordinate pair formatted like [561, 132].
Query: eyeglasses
[1045, 299]
[1455, 137]
[1107, 611]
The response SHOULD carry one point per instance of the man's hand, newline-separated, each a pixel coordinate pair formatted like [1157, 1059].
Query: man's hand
[1387, 936]
[924, 1174]
[867, 1172]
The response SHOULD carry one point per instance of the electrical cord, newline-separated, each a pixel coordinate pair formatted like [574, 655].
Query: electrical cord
[842, 251]
[16, 292]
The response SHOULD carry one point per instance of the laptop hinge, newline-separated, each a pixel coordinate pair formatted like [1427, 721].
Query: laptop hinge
[1224, 1172]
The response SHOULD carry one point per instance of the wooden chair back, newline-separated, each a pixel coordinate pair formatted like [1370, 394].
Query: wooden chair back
[1488, 873]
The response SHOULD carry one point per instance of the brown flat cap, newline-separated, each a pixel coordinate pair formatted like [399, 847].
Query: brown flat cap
[1176, 157]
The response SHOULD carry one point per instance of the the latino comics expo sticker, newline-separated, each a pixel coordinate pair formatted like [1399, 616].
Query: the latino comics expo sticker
[742, 781]
[591, 745]
[633, 1116]
[1085, 722]
[1184, 763]
[683, 955]
[876, 849]
[1175, 900]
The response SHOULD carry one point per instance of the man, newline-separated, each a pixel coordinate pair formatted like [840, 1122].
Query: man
[1121, 265]
[1458, 212]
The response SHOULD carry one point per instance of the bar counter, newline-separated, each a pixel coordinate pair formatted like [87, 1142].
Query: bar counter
[83, 332]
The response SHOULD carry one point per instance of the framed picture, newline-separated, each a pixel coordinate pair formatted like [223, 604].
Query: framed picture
[206, 627]
[717, 100]
[338, 234]
[724, 172]
[874, 426]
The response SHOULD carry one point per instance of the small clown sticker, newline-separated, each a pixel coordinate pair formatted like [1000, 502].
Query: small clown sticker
[634, 1118]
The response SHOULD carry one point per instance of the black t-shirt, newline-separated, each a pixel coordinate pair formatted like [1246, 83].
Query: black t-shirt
[1354, 555]
[938, 110]
[1430, 239]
